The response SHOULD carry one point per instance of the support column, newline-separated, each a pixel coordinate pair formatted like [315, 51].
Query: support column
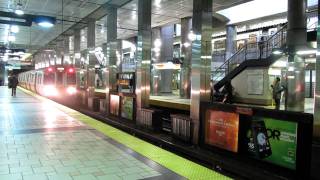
[201, 60]
[77, 55]
[112, 55]
[316, 127]
[296, 39]
[143, 55]
[91, 34]
[186, 52]
[230, 40]
[156, 58]
[59, 50]
[66, 50]
[167, 33]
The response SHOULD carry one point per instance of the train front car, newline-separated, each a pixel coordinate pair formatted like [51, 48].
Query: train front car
[48, 85]
[70, 86]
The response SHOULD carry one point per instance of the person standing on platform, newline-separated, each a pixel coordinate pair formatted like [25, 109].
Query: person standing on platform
[276, 92]
[14, 84]
[261, 47]
[228, 93]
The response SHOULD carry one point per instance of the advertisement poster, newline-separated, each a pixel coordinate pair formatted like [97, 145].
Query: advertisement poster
[114, 105]
[222, 129]
[127, 108]
[272, 140]
[255, 82]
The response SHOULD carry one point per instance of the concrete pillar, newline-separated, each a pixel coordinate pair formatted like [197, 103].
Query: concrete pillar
[143, 54]
[77, 55]
[59, 53]
[167, 33]
[296, 39]
[186, 52]
[201, 60]
[230, 40]
[113, 54]
[156, 58]
[156, 45]
[91, 33]
[316, 127]
[66, 50]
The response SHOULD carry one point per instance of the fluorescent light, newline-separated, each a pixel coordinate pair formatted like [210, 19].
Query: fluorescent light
[157, 43]
[191, 36]
[19, 12]
[306, 52]
[280, 64]
[45, 24]
[14, 29]
[277, 52]
[253, 10]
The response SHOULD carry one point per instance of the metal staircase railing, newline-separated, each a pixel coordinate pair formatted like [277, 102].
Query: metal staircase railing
[258, 50]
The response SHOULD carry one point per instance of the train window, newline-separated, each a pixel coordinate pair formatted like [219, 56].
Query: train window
[49, 78]
[71, 78]
[59, 78]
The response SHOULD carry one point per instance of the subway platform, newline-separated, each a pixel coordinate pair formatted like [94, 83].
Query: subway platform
[43, 140]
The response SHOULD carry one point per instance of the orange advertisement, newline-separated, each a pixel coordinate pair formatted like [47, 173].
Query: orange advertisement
[222, 129]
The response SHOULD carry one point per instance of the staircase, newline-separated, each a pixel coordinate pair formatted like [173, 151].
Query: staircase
[250, 55]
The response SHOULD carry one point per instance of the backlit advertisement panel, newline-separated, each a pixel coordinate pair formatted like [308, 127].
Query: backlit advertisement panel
[221, 129]
[127, 107]
[114, 105]
[272, 140]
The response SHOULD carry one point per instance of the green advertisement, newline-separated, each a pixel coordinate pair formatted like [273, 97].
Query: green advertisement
[274, 141]
[127, 108]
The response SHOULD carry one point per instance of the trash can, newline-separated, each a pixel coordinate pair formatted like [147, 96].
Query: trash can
[181, 126]
[94, 104]
[102, 105]
[149, 118]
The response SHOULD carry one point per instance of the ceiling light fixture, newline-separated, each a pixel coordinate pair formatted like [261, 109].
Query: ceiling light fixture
[14, 29]
[19, 10]
[45, 21]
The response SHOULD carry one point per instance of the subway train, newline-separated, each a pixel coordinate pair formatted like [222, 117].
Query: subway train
[53, 81]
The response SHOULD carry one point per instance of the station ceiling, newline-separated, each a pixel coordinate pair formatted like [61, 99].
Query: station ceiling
[72, 14]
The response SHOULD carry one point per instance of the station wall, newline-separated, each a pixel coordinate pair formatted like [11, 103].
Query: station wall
[253, 86]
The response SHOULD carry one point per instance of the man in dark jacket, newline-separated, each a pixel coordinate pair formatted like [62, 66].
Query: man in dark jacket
[276, 92]
[14, 84]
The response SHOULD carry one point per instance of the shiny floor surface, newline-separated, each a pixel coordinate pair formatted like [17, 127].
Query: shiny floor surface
[42, 140]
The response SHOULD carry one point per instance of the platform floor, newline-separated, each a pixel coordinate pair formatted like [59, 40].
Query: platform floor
[43, 140]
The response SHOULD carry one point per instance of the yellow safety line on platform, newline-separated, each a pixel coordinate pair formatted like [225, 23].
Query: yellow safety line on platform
[177, 164]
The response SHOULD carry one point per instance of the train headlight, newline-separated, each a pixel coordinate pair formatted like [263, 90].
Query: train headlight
[50, 90]
[71, 90]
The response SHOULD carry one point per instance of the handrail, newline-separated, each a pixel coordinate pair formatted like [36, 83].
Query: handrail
[245, 48]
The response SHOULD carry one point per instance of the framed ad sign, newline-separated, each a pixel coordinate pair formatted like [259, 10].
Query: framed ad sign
[114, 104]
[255, 82]
[127, 107]
[221, 129]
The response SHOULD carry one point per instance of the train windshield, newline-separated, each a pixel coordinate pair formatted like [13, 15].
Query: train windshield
[71, 78]
[59, 78]
[49, 78]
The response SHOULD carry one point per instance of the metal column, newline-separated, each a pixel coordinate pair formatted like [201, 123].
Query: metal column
[77, 55]
[186, 52]
[113, 55]
[230, 40]
[201, 60]
[296, 39]
[143, 55]
[66, 50]
[316, 127]
[91, 37]
[156, 58]
[167, 33]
